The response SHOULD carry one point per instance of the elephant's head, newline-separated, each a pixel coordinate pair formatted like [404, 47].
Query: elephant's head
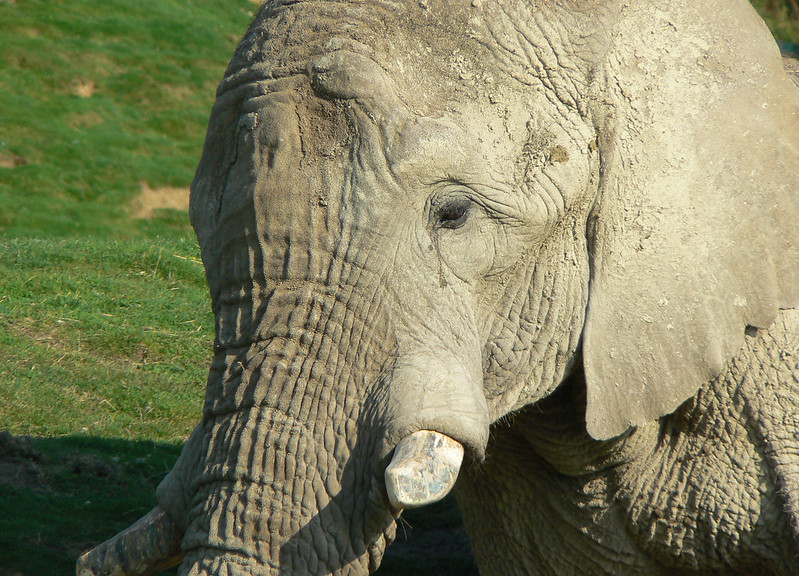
[424, 215]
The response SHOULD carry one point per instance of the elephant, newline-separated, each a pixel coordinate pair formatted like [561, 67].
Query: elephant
[542, 254]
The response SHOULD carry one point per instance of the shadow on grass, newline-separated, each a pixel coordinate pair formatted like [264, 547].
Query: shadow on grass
[431, 541]
[61, 496]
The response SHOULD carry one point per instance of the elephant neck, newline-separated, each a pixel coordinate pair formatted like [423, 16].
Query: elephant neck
[724, 488]
[711, 488]
[712, 485]
[555, 429]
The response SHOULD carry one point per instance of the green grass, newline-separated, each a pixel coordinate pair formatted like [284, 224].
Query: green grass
[70, 493]
[122, 327]
[105, 326]
[99, 96]
[105, 348]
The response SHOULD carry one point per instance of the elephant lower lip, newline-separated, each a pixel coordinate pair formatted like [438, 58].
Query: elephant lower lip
[423, 470]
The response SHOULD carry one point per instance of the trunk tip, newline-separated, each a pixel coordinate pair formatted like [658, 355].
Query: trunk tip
[150, 545]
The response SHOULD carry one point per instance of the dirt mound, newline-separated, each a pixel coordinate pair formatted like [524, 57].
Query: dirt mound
[152, 199]
[83, 88]
[12, 161]
[19, 462]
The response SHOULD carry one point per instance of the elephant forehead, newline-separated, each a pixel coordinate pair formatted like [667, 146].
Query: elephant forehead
[455, 147]
[420, 131]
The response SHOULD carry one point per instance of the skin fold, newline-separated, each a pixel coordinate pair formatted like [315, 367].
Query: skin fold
[709, 489]
[561, 234]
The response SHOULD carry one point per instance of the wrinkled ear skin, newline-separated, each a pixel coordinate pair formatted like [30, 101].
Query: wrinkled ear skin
[695, 233]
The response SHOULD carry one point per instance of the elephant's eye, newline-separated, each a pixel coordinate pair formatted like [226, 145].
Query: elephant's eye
[453, 214]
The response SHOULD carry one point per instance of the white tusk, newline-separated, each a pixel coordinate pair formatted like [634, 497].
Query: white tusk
[423, 469]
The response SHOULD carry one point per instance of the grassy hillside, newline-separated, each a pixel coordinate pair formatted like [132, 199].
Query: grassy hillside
[105, 328]
[100, 98]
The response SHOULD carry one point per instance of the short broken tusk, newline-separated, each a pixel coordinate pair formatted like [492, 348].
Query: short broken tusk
[150, 545]
[423, 470]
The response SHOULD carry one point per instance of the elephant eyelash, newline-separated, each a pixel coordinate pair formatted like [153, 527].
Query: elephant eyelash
[453, 214]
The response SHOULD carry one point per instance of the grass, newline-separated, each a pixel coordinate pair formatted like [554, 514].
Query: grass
[69, 493]
[105, 326]
[105, 348]
[122, 327]
[99, 96]
[105, 323]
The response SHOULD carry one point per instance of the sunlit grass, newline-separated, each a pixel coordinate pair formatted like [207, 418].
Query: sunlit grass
[98, 97]
[108, 339]
[105, 324]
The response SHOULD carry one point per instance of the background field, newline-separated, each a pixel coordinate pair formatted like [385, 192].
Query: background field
[105, 327]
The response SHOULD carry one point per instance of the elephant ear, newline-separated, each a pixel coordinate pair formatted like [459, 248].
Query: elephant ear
[695, 234]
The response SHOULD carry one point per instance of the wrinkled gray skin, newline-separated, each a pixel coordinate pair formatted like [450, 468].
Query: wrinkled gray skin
[563, 233]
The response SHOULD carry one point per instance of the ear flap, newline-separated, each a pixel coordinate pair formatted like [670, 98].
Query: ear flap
[695, 235]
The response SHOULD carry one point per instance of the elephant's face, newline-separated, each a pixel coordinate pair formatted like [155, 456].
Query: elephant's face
[396, 209]
[386, 254]
[473, 215]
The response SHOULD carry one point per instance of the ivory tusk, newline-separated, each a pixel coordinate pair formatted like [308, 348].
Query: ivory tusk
[150, 545]
[423, 469]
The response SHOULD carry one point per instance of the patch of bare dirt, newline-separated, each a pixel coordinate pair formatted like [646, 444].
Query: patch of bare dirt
[152, 199]
[83, 88]
[22, 466]
[87, 465]
[12, 161]
[178, 93]
[45, 335]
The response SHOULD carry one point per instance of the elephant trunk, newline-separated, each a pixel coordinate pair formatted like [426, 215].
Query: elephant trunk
[313, 511]
[312, 388]
[423, 470]
[150, 545]
[286, 471]
[285, 451]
